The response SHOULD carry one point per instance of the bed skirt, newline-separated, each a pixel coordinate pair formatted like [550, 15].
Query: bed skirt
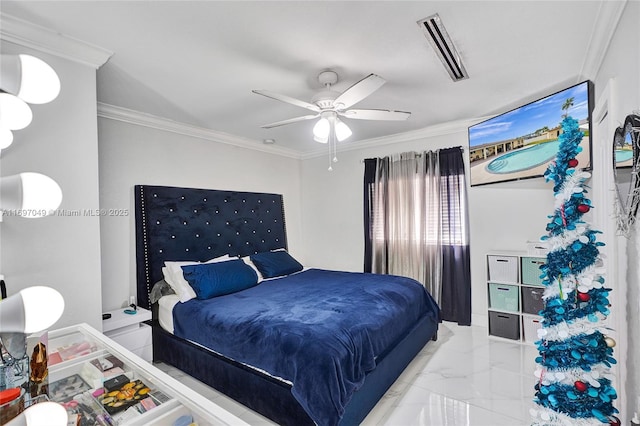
[271, 397]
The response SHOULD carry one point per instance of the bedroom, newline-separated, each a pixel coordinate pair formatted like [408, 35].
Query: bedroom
[98, 161]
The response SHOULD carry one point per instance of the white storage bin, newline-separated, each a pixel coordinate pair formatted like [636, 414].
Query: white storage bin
[530, 326]
[503, 268]
[537, 248]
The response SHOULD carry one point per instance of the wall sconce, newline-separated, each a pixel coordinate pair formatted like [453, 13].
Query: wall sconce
[30, 195]
[31, 310]
[23, 79]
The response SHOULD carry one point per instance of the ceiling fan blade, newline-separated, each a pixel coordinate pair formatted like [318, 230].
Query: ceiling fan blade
[287, 99]
[375, 114]
[289, 121]
[359, 91]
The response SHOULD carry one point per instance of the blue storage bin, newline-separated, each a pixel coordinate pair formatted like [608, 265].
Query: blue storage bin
[503, 297]
[531, 272]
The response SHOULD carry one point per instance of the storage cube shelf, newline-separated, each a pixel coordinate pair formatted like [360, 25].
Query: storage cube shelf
[514, 291]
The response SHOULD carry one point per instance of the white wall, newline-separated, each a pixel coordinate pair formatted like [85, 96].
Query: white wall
[62, 252]
[133, 155]
[502, 216]
[621, 66]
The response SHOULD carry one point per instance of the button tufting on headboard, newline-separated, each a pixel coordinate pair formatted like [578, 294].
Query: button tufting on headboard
[176, 224]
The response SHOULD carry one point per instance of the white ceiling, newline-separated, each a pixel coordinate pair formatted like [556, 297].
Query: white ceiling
[196, 62]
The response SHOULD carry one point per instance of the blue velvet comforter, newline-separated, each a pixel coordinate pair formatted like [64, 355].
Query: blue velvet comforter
[321, 330]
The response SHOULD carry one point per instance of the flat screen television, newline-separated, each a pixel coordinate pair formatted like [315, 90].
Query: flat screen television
[520, 144]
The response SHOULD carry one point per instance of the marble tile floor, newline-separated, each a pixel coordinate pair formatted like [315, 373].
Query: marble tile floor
[464, 378]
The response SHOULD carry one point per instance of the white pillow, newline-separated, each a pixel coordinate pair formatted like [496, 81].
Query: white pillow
[174, 277]
[247, 260]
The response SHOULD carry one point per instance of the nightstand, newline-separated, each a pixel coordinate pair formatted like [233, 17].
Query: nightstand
[130, 331]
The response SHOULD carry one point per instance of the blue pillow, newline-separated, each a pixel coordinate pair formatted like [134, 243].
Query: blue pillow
[216, 279]
[275, 263]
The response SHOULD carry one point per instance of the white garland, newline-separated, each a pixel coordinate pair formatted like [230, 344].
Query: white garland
[547, 417]
[571, 376]
[571, 185]
[564, 330]
[568, 237]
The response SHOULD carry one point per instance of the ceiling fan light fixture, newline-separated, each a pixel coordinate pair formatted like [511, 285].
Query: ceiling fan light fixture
[438, 37]
[321, 129]
[320, 139]
[342, 130]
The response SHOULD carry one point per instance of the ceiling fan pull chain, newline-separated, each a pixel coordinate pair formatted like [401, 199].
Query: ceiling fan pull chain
[331, 139]
[335, 146]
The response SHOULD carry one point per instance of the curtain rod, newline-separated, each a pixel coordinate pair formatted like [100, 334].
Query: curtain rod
[418, 154]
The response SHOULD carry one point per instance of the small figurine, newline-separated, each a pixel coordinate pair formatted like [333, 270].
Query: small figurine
[38, 363]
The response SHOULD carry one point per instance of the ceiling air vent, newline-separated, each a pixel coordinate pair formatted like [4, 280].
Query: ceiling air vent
[437, 35]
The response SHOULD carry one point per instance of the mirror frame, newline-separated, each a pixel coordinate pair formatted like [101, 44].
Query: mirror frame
[627, 204]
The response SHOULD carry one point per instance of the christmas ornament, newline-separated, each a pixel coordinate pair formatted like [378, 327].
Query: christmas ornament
[583, 208]
[573, 162]
[581, 386]
[610, 342]
[583, 297]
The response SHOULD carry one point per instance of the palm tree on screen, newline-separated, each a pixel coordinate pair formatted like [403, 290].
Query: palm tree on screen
[565, 107]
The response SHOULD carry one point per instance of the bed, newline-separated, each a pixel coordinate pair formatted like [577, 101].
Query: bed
[298, 378]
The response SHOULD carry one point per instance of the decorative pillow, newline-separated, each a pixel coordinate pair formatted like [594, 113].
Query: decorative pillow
[216, 279]
[173, 276]
[249, 263]
[277, 263]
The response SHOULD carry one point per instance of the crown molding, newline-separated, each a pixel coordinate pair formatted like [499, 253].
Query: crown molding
[603, 30]
[130, 116]
[447, 128]
[45, 40]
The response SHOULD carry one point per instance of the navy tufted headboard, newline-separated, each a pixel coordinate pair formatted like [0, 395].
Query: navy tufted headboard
[200, 224]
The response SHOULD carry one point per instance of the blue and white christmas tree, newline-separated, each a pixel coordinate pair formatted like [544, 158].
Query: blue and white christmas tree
[575, 354]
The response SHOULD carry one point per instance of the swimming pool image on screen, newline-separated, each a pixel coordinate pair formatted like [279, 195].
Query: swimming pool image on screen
[524, 159]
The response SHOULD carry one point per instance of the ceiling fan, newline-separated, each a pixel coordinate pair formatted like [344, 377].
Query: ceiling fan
[329, 105]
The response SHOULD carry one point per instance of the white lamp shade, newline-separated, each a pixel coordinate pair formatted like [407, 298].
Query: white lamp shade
[30, 195]
[31, 310]
[39, 83]
[321, 130]
[41, 195]
[46, 414]
[43, 306]
[29, 78]
[6, 138]
[15, 114]
[321, 140]
[342, 130]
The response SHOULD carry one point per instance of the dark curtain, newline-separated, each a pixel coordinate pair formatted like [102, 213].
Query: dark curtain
[370, 165]
[455, 302]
